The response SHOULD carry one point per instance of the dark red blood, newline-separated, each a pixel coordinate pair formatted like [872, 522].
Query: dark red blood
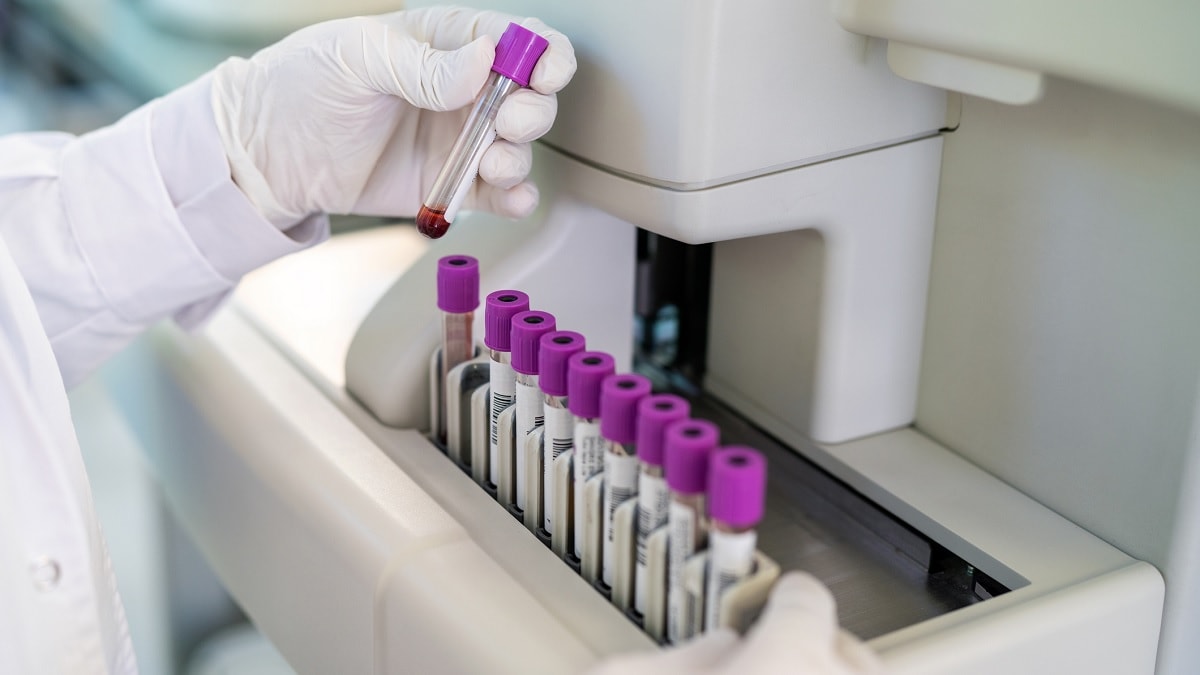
[431, 222]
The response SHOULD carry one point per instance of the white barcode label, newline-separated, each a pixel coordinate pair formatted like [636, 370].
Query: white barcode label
[653, 498]
[529, 408]
[504, 389]
[528, 418]
[620, 485]
[681, 543]
[730, 559]
[560, 432]
[590, 448]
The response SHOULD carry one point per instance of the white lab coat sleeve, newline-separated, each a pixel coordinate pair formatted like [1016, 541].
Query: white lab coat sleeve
[120, 227]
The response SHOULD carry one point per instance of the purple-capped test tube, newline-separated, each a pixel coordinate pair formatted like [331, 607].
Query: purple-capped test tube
[619, 398]
[585, 373]
[655, 414]
[688, 448]
[737, 489]
[457, 298]
[517, 52]
[499, 310]
[555, 349]
[527, 329]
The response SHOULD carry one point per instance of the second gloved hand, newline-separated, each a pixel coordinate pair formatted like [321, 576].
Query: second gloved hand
[357, 115]
[797, 634]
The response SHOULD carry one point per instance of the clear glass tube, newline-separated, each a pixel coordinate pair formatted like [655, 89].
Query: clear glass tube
[456, 349]
[462, 165]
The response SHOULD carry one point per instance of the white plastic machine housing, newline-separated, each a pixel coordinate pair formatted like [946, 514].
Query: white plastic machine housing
[713, 121]
[999, 424]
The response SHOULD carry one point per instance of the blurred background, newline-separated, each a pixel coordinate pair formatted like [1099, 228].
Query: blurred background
[74, 66]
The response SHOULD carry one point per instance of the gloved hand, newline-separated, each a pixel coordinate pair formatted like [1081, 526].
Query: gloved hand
[797, 634]
[357, 115]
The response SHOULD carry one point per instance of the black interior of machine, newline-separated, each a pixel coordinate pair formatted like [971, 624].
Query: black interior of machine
[885, 574]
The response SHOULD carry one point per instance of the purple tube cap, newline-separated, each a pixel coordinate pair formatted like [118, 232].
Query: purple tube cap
[498, 314]
[686, 451]
[517, 52]
[458, 284]
[554, 350]
[527, 328]
[655, 413]
[585, 373]
[737, 486]
[619, 398]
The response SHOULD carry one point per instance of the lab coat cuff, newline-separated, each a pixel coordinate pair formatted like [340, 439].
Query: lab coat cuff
[140, 256]
[222, 222]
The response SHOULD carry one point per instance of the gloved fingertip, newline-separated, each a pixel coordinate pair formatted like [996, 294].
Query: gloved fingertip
[798, 604]
[802, 591]
[526, 116]
[506, 164]
[522, 200]
[552, 73]
[557, 66]
[516, 202]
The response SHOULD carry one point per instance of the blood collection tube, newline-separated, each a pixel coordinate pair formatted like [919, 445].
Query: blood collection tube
[498, 313]
[555, 349]
[688, 447]
[737, 486]
[585, 373]
[517, 51]
[457, 297]
[619, 398]
[655, 414]
[527, 328]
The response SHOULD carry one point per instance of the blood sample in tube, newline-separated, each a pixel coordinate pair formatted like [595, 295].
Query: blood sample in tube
[517, 52]
[457, 298]
[432, 222]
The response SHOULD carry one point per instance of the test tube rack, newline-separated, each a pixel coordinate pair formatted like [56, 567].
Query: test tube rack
[466, 411]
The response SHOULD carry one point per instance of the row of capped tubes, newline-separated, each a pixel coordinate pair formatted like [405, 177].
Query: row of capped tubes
[589, 475]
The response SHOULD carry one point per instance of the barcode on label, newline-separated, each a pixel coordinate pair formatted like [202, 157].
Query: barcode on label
[617, 497]
[560, 445]
[643, 534]
[726, 579]
[499, 403]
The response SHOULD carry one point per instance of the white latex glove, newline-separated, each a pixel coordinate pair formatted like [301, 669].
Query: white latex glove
[357, 115]
[797, 634]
